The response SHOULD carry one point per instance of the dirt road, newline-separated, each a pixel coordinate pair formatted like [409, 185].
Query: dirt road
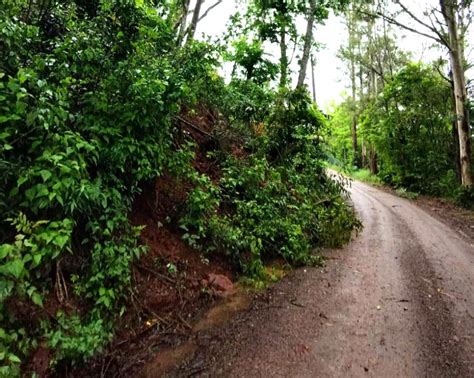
[397, 302]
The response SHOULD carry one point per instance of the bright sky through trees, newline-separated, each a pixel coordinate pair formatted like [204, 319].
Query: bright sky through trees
[331, 75]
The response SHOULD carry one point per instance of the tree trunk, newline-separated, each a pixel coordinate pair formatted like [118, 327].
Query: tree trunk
[354, 116]
[454, 132]
[313, 80]
[374, 169]
[387, 53]
[460, 91]
[355, 148]
[195, 20]
[457, 162]
[364, 154]
[308, 41]
[182, 25]
[283, 58]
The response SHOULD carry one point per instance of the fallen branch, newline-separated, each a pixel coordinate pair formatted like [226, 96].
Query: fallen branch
[183, 321]
[157, 274]
[60, 286]
[294, 303]
[194, 127]
[146, 329]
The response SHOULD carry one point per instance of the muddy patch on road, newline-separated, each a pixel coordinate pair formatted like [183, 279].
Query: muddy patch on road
[168, 359]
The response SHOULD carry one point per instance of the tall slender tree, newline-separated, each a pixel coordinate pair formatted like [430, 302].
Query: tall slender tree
[182, 20]
[449, 9]
[308, 41]
[194, 20]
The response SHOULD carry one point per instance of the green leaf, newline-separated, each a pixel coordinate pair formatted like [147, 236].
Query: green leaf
[37, 259]
[45, 174]
[14, 359]
[61, 240]
[37, 300]
[43, 191]
[60, 200]
[6, 288]
[65, 169]
[5, 250]
[30, 194]
[14, 268]
[21, 180]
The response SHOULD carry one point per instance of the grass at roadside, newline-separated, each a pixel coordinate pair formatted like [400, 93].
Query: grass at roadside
[363, 175]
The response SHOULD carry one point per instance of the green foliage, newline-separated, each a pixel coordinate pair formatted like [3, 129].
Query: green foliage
[86, 117]
[76, 339]
[273, 22]
[250, 57]
[402, 192]
[246, 103]
[410, 127]
[89, 92]
[338, 134]
[278, 201]
[365, 176]
[464, 197]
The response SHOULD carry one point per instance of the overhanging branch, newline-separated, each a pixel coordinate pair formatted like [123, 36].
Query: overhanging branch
[392, 21]
[210, 9]
[422, 23]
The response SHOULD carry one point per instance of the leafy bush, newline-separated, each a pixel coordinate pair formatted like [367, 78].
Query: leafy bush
[86, 115]
[464, 197]
[278, 201]
[411, 129]
[88, 98]
[365, 176]
[402, 192]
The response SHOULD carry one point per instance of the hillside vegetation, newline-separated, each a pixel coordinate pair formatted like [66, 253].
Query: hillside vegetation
[99, 100]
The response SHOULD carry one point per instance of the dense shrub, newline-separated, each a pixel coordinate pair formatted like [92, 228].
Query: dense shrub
[408, 129]
[417, 129]
[88, 96]
[86, 116]
[277, 201]
[410, 126]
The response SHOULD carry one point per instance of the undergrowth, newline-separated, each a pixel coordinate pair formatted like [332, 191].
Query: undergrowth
[88, 103]
[277, 200]
[365, 176]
